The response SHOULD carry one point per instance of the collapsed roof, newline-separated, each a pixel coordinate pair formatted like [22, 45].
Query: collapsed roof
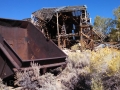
[47, 13]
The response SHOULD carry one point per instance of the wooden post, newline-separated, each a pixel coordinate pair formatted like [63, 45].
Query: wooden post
[58, 31]
[81, 39]
[92, 42]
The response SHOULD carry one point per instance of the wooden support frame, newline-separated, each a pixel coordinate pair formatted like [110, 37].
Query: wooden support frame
[83, 31]
[81, 38]
[88, 36]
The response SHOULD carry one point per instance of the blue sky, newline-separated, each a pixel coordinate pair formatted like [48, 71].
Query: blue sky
[20, 9]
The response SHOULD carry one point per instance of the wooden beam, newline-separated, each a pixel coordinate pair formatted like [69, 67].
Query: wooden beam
[85, 35]
[92, 42]
[81, 39]
[58, 30]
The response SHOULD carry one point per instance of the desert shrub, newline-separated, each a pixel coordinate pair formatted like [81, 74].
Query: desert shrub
[87, 70]
[114, 35]
[111, 82]
[32, 80]
[105, 60]
[105, 64]
[79, 59]
[2, 86]
[73, 76]
[84, 82]
[75, 47]
[78, 63]
[28, 78]
[114, 64]
[96, 84]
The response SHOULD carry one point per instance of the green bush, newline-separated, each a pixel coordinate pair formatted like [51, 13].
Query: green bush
[114, 35]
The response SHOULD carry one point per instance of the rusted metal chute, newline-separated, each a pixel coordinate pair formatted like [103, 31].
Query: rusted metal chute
[22, 43]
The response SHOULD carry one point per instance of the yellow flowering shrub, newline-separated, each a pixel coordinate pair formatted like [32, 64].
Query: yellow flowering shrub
[105, 60]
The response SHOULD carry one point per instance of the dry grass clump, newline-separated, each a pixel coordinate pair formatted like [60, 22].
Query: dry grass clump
[76, 47]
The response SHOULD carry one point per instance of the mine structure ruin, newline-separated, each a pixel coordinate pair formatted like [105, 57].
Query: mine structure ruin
[31, 39]
[66, 26]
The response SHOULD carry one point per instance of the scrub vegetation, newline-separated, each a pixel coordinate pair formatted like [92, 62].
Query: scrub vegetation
[87, 70]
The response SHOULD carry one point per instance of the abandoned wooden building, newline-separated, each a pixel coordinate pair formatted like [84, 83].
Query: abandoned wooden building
[66, 26]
